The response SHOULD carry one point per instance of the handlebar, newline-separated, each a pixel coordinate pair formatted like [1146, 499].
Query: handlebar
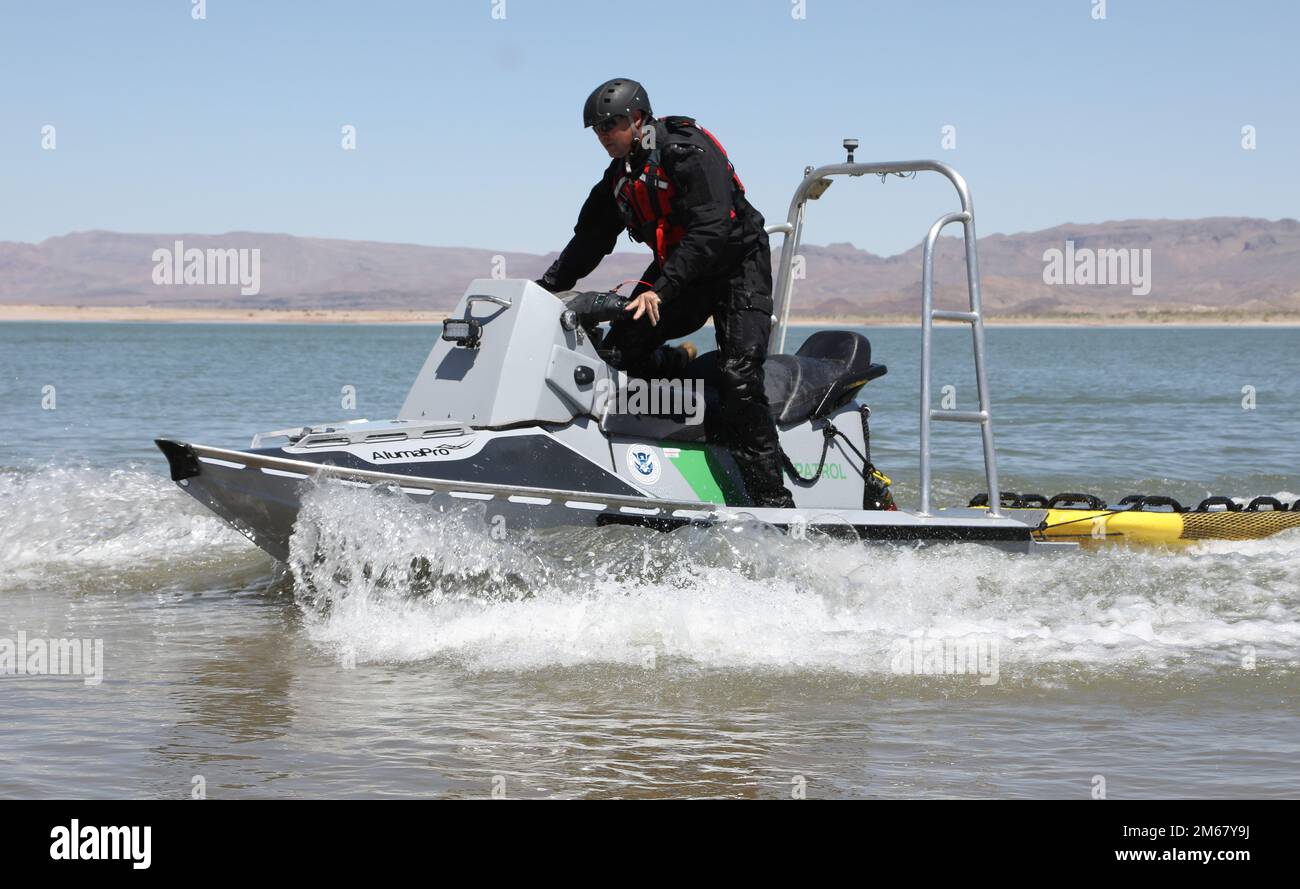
[595, 306]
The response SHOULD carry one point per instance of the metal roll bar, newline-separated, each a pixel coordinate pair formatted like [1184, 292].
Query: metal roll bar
[815, 182]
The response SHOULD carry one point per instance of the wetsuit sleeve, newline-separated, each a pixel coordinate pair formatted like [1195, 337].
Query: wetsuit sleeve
[594, 238]
[704, 208]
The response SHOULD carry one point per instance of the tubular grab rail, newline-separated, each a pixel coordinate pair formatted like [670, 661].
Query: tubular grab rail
[814, 183]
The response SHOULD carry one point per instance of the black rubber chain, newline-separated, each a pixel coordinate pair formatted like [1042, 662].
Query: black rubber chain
[829, 431]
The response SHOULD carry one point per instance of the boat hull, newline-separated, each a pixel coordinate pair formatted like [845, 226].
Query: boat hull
[260, 496]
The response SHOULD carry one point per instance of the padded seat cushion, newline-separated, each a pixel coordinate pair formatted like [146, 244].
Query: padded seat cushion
[826, 371]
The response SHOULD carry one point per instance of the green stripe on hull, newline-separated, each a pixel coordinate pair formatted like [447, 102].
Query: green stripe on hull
[707, 480]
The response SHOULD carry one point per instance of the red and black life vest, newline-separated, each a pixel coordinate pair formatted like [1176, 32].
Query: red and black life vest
[645, 199]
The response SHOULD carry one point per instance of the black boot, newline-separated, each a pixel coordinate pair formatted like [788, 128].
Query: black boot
[766, 492]
[757, 450]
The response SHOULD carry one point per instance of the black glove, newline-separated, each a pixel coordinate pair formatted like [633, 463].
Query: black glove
[597, 307]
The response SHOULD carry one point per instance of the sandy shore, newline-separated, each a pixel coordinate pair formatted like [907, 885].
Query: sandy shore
[156, 314]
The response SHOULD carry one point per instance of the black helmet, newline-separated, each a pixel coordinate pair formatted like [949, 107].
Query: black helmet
[612, 98]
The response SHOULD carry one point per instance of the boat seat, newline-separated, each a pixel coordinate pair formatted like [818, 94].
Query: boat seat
[826, 372]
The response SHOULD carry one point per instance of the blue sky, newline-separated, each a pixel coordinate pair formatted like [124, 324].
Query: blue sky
[469, 132]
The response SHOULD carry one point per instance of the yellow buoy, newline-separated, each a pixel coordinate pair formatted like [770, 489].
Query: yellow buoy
[1098, 526]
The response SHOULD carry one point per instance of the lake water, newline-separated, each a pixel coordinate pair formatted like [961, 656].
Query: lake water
[626, 662]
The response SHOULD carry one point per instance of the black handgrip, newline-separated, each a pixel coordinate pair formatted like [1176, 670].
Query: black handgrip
[1089, 499]
[1228, 504]
[597, 307]
[1006, 499]
[1157, 500]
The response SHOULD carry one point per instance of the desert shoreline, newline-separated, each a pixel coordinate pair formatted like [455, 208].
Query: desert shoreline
[188, 315]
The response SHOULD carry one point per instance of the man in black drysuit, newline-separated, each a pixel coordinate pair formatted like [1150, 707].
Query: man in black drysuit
[671, 186]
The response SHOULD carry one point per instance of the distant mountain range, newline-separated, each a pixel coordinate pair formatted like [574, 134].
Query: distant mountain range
[1201, 265]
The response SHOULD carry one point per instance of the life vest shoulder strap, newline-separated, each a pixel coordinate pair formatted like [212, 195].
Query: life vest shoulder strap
[684, 130]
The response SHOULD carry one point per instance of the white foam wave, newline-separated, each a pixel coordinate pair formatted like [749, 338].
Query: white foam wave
[382, 579]
[68, 519]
